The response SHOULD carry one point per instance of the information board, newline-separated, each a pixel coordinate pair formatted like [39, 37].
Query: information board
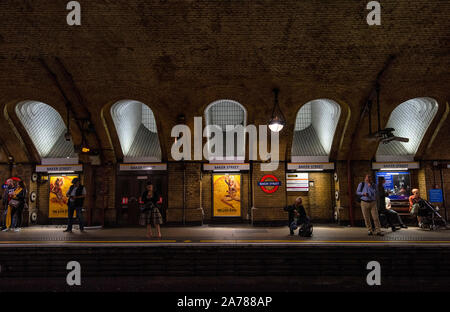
[297, 182]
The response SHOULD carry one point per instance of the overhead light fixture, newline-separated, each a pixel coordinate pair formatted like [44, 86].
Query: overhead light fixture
[277, 120]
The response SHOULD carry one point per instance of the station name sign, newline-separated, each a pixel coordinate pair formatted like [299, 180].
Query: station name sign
[142, 167]
[226, 167]
[310, 166]
[395, 166]
[58, 168]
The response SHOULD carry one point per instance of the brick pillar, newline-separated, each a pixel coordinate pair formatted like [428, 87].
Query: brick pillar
[89, 203]
[268, 208]
[184, 193]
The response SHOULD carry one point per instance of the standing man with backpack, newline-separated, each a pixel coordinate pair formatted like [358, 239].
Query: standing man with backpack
[76, 194]
[367, 193]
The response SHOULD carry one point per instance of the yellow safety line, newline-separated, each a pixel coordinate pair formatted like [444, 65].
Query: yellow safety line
[223, 241]
[90, 242]
[306, 241]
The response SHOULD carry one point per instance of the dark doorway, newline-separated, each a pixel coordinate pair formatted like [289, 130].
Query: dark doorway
[130, 186]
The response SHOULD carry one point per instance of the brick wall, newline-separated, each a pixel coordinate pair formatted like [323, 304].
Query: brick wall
[191, 210]
[319, 200]
[269, 207]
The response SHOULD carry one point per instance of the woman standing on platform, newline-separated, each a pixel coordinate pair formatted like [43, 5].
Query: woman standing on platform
[415, 199]
[21, 197]
[151, 211]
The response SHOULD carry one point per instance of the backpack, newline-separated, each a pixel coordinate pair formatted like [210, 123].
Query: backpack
[358, 197]
[306, 229]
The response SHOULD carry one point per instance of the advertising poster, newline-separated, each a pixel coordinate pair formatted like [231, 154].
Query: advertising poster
[397, 184]
[227, 195]
[59, 185]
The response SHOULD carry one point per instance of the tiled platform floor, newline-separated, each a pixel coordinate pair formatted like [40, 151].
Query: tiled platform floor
[222, 234]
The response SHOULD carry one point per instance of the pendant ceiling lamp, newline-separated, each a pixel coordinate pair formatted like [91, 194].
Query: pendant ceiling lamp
[277, 121]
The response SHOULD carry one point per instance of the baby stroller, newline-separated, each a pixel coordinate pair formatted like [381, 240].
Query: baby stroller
[431, 219]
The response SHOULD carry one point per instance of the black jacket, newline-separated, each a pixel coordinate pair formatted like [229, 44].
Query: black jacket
[291, 210]
[78, 201]
[149, 203]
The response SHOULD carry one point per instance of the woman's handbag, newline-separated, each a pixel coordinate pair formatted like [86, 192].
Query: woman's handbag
[142, 218]
[415, 209]
[14, 203]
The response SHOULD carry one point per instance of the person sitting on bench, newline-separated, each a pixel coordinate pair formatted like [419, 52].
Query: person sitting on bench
[383, 208]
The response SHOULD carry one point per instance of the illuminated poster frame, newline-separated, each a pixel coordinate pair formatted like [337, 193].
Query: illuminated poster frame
[225, 205]
[57, 202]
[394, 186]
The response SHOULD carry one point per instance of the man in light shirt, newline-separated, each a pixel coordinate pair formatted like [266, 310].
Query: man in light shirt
[367, 191]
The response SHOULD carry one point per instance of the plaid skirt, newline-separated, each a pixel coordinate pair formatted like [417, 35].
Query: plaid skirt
[151, 217]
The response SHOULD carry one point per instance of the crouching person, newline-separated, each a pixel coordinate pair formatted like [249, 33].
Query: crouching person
[298, 218]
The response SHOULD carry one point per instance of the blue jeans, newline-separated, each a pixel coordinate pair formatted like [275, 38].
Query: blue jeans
[79, 216]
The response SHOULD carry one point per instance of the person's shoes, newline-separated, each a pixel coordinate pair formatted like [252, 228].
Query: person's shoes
[380, 234]
[403, 226]
[67, 231]
[370, 233]
[5, 230]
[16, 230]
[291, 233]
[394, 229]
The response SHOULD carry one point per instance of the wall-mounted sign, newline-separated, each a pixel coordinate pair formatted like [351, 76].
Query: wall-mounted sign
[269, 183]
[310, 166]
[297, 182]
[395, 165]
[142, 167]
[58, 168]
[226, 167]
[436, 196]
[226, 195]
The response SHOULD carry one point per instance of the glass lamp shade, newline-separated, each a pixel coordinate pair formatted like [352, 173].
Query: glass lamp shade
[276, 124]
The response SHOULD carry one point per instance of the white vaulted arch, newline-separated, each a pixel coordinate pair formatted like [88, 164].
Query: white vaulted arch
[46, 128]
[223, 113]
[137, 131]
[315, 126]
[411, 120]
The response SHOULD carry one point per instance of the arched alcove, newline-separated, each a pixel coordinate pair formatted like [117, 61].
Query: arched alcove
[223, 113]
[411, 120]
[315, 126]
[46, 129]
[137, 131]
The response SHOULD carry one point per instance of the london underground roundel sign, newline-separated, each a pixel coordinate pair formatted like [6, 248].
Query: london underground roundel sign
[270, 181]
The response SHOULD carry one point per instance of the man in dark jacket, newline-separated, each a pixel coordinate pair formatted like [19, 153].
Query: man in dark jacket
[76, 195]
[296, 211]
